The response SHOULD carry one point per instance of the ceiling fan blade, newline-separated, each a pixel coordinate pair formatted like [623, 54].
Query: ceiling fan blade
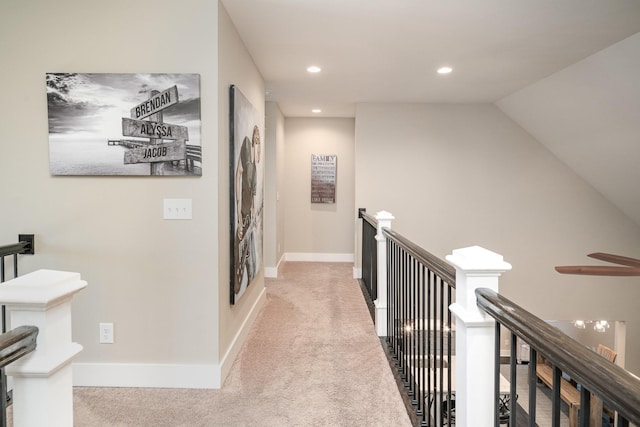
[597, 270]
[616, 259]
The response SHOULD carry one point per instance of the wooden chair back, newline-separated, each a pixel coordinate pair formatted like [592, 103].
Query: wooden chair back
[606, 352]
[596, 402]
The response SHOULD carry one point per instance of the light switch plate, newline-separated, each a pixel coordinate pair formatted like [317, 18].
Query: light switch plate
[177, 209]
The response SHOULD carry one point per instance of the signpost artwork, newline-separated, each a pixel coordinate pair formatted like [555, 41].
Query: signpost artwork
[156, 151]
[115, 124]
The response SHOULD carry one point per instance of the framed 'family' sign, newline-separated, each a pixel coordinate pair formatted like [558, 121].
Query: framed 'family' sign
[124, 124]
[323, 178]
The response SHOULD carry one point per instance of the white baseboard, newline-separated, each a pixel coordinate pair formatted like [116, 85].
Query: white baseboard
[145, 375]
[318, 257]
[357, 273]
[272, 272]
[241, 336]
[154, 375]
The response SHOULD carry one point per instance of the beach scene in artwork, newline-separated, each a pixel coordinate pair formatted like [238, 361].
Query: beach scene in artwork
[108, 124]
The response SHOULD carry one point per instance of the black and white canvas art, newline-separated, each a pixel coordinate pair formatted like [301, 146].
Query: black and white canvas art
[247, 190]
[124, 124]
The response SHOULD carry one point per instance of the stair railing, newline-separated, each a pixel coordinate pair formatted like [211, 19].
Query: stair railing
[21, 340]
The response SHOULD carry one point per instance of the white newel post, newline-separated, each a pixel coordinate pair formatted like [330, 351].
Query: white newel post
[384, 221]
[476, 267]
[42, 380]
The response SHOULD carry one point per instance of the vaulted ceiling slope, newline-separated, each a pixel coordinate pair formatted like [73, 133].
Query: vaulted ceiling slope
[565, 70]
[588, 115]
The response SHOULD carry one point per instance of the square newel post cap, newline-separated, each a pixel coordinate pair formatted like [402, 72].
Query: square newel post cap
[476, 267]
[479, 260]
[41, 289]
[384, 215]
[384, 219]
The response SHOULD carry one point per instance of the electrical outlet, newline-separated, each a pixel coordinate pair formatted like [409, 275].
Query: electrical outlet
[106, 333]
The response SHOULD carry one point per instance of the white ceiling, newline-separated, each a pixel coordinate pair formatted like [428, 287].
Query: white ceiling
[549, 64]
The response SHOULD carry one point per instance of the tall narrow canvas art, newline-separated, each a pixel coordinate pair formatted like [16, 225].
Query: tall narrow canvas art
[247, 184]
[124, 124]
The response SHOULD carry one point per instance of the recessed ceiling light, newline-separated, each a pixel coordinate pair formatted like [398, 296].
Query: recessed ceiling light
[444, 70]
[314, 69]
[316, 110]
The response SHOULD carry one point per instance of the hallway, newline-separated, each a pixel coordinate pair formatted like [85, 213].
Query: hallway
[311, 359]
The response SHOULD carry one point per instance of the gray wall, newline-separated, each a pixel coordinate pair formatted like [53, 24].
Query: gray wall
[235, 67]
[462, 175]
[318, 228]
[164, 284]
[274, 189]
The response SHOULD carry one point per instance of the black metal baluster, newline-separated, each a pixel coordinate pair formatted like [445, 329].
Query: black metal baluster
[430, 360]
[3, 377]
[405, 317]
[410, 329]
[390, 304]
[373, 263]
[533, 367]
[401, 286]
[365, 254]
[2, 277]
[397, 320]
[407, 310]
[437, 346]
[585, 404]
[441, 339]
[373, 282]
[423, 349]
[416, 331]
[418, 326]
[496, 378]
[555, 401]
[449, 330]
[394, 300]
[513, 380]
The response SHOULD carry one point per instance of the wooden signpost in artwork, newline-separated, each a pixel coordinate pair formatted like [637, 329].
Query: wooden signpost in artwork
[149, 129]
[156, 103]
[156, 152]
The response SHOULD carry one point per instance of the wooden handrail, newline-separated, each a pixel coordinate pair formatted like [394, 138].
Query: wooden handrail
[362, 213]
[619, 388]
[17, 343]
[13, 248]
[444, 270]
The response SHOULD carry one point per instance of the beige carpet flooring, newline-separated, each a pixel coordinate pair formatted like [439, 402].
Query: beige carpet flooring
[311, 359]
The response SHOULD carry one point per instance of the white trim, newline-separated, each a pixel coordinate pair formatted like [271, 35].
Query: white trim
[318, 257]
[145, 375]
[241, 336]
[357, 273]
[155, 375]
[272, 272]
